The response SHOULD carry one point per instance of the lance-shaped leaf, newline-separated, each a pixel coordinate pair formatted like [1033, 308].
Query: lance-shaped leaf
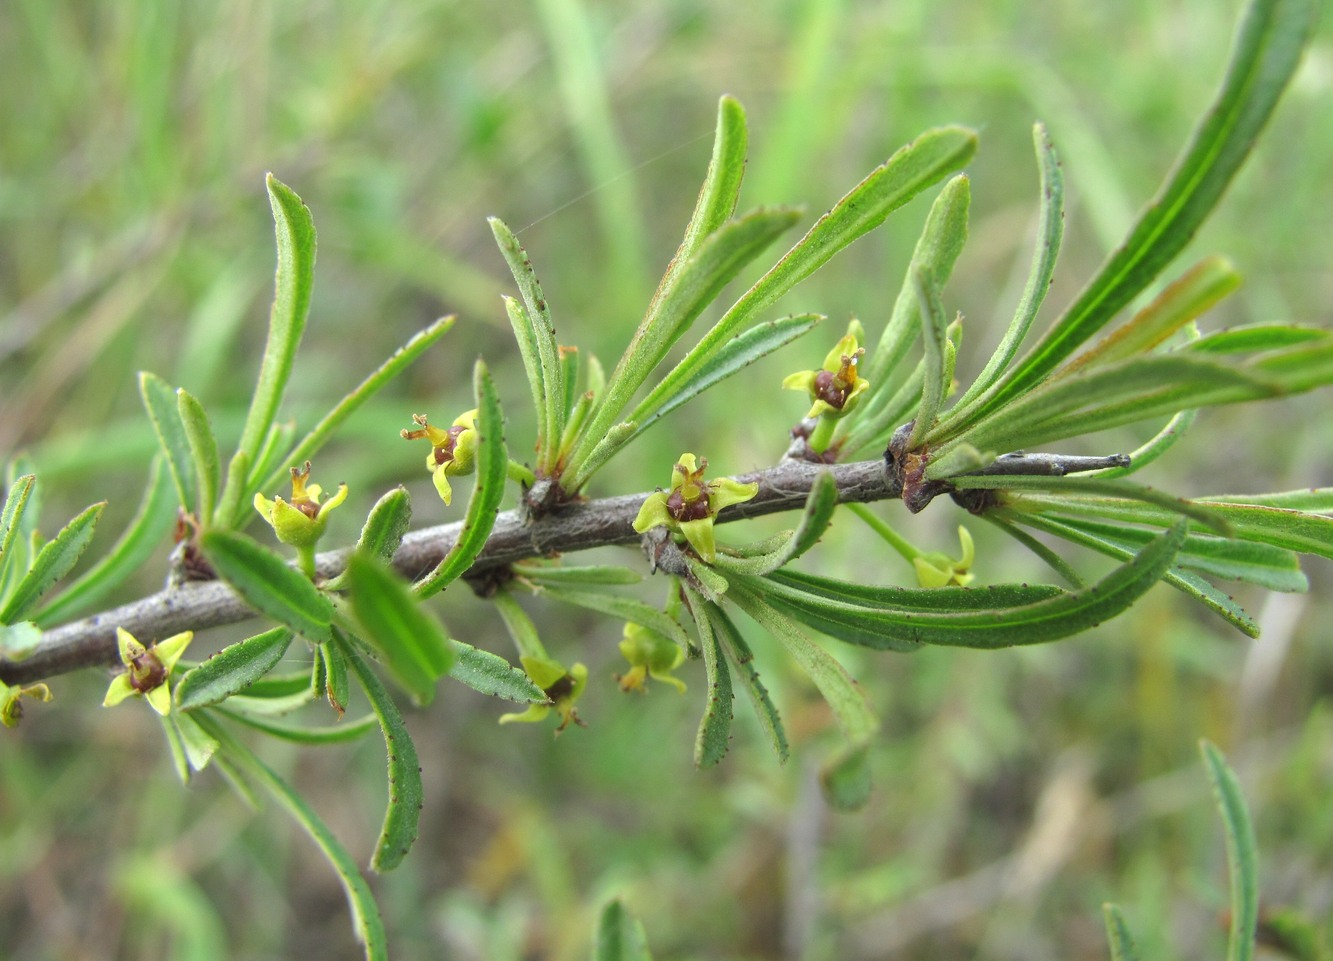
[937, 250]
[770, 722]
[20, 491]
[156, 513]
[160, 402]
[269, 584]
[722, 184]
[1291, 520]
[295, 232]
[1186, 299]
[684, 294]
[1184, 581]
[1122, 943]
[536, 342]
[739, 353]
[1074, 486]
[820, 504]
[204, 455]
[492, 460]
[624, 608]
[314, 440]
[337, 685]
[383, 531]
[1242, 853]
[714, 735]
[366, 920]
[1256, 337]
[1266, 52]
[343, 732]
[838, 688]
[408, 639]
[540, 572]
[620, 935]
[1050, 233]
[492, 675]
[985, 618]
[232, 669]
[405, 792]
[934, 340]
[56, 558]
[925, 161]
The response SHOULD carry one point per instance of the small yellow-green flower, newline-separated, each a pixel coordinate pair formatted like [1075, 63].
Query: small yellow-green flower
[835, 388]
[562, 686]
[147, 670]
[300, 522]
[453, 450]
[650, 654]
[936, 569]
[692, 504]
[11, 711]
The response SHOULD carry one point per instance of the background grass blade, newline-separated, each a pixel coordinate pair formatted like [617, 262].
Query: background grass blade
[1242, 854]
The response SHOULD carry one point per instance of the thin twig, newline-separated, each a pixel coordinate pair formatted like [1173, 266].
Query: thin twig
[197, 605]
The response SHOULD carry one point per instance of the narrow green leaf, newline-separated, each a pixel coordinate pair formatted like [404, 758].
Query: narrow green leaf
[294, 230]
[160, 402]
[541, 340]
[714, 736]
[279, 685]
[842, 693]
[1198, 290]
[1187, 583]
[203, 453]
[199, 745]
[1256, 337]
[406, 795]
[934, 340]
[1121, 393]
[410, 641]
[55, 560]
[234, 489]
[1267, 49]
[11, 526]
[820, 504]
[1052, 559]
[492, 463]
[366, 921]
[544, 572]
[918, 165]
[624, 608]
[1242, 853]
[1249, 517]
[743, 658]
[1050, 233]
[268, 584]
[684, 294]
[492, 675]
[337, 688]
[385, 525]
[232, 669]
[156, 513]
[739, 353]
[1153, 448]
[859, 617]
[937, 250]
[1122, 943]
[270, 461]
[383, 531]
[722, 184]
[343, 732]
[1124, 490]
[620, 935]
[313, 441]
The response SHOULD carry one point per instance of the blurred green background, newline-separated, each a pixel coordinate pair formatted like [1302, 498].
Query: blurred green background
[1015, 791]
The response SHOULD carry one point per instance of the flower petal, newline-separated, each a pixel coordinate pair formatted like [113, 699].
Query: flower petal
[119, 690]
[700, 535]
[653, 513]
